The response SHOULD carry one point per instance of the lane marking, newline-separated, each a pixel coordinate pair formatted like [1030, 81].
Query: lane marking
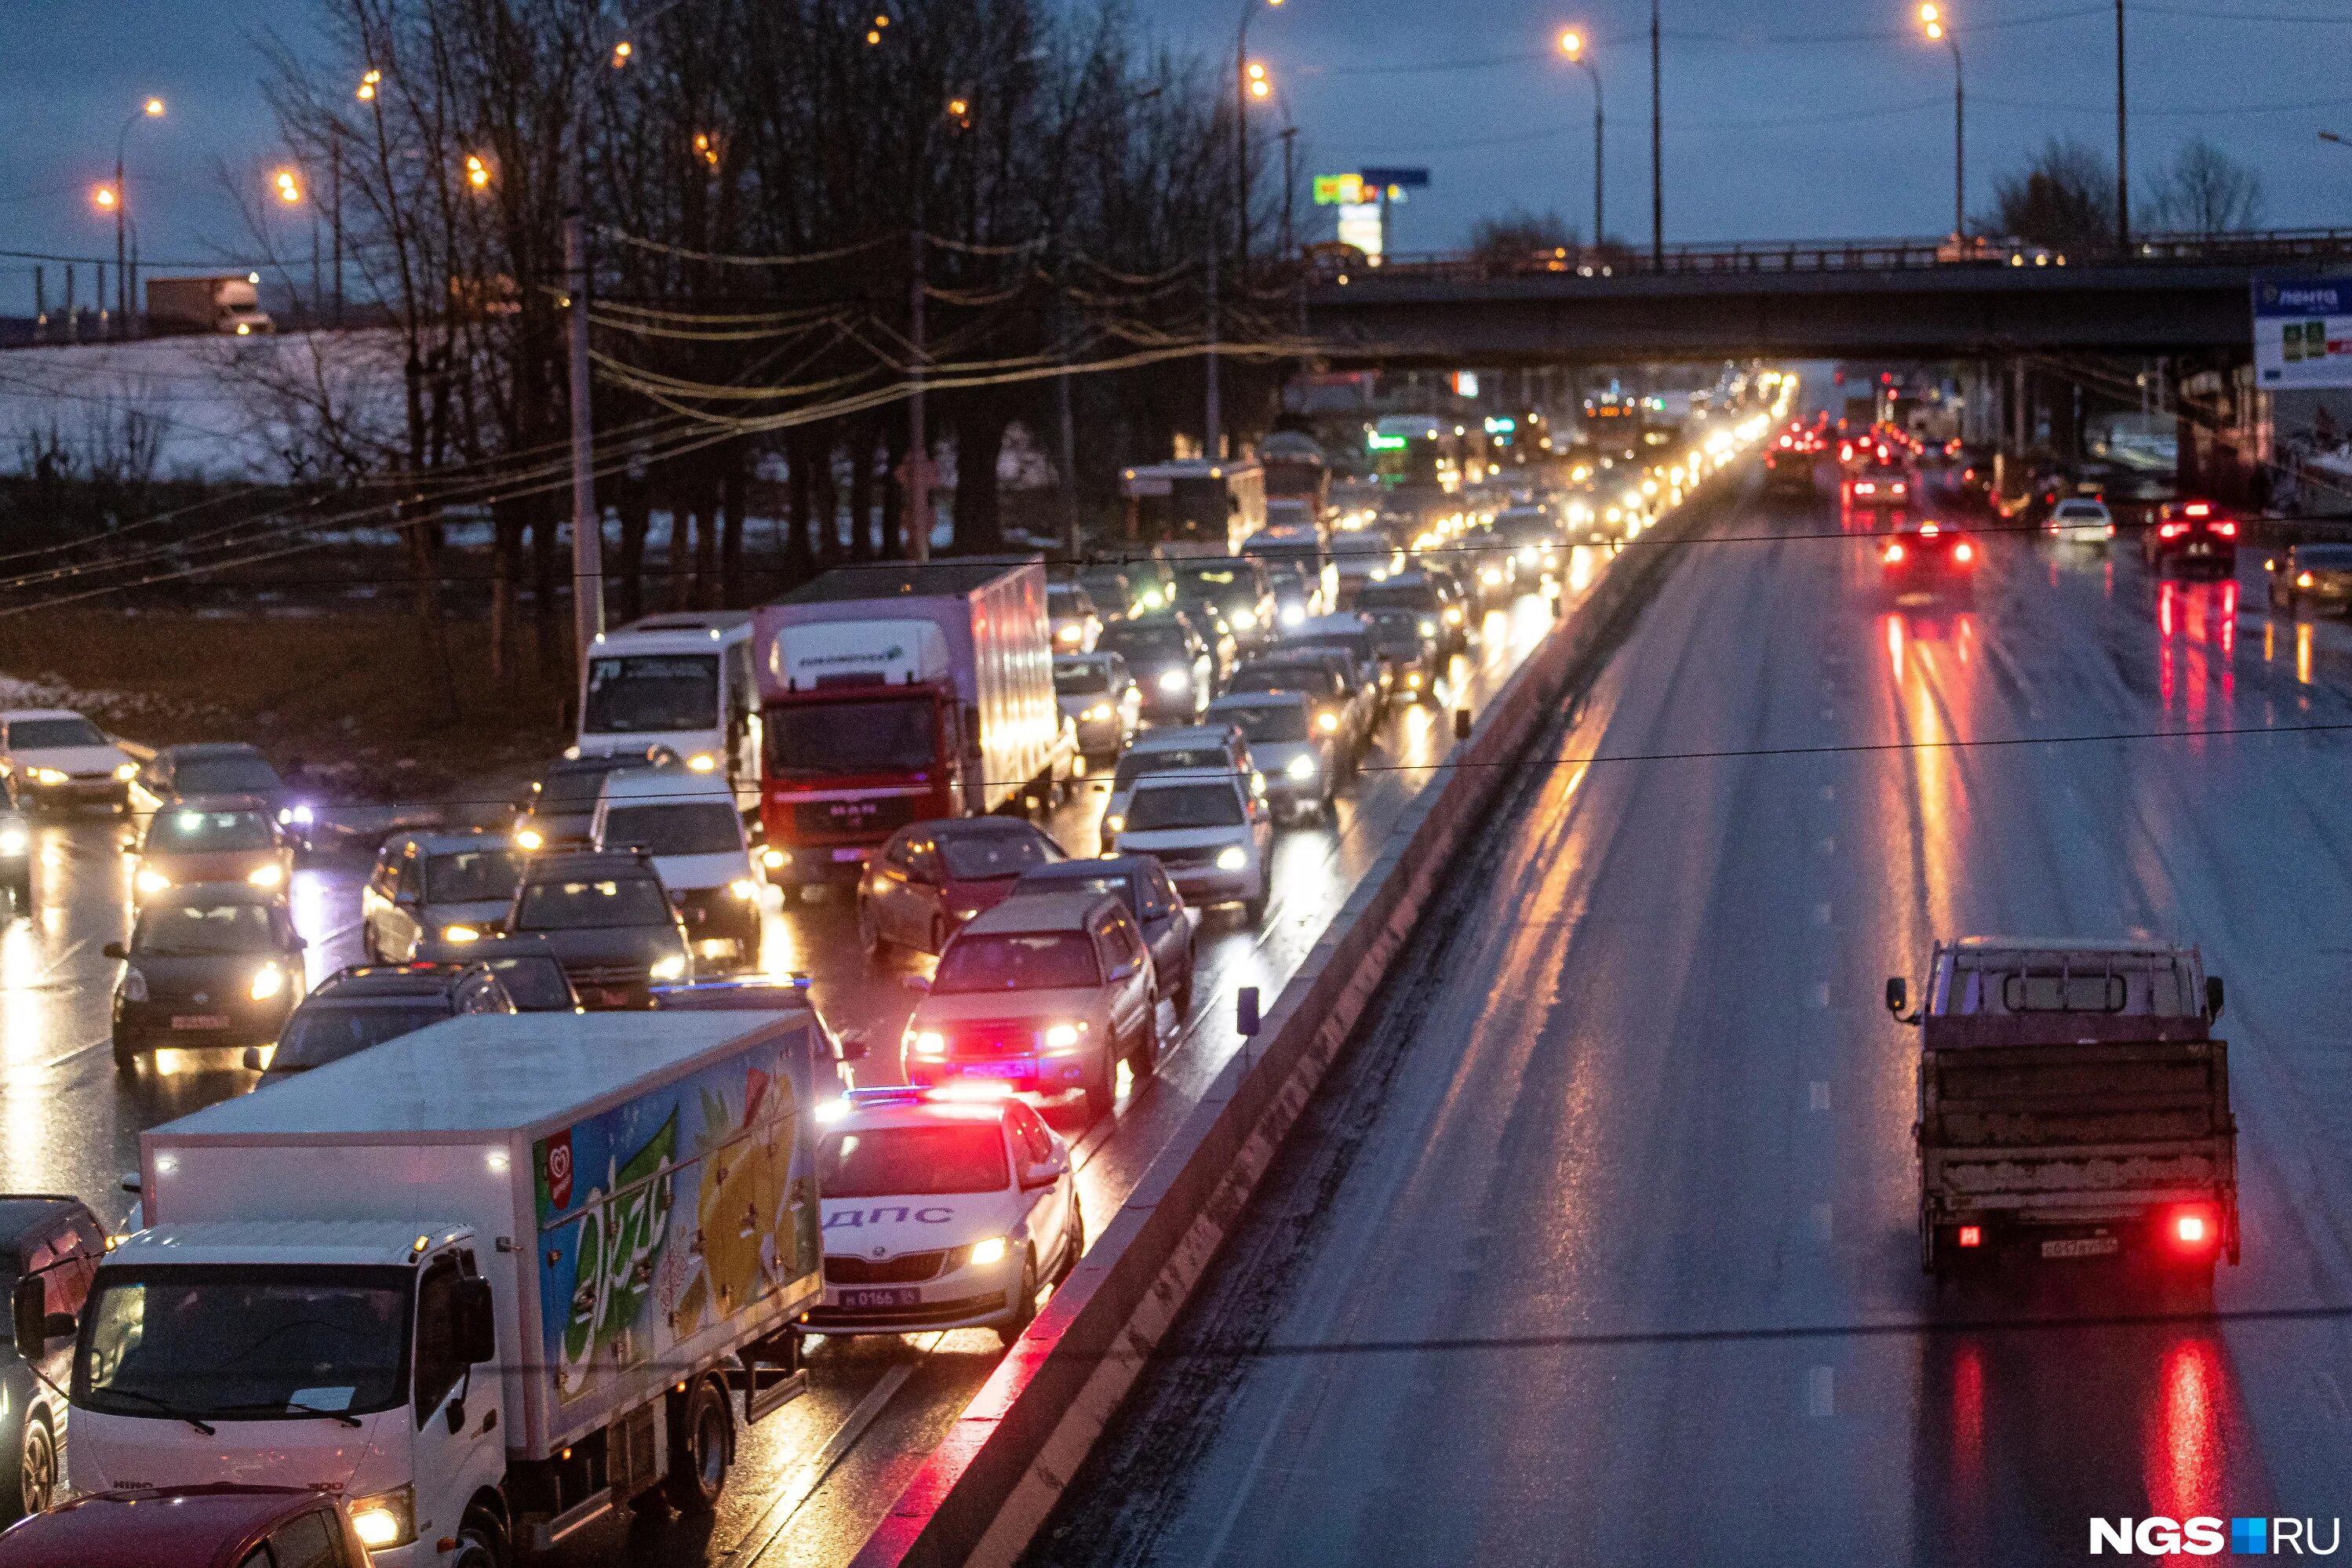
[1820, 1392]
[1821, 993]
[1821, 1222]
[811, 1474]
[1829, 791]
[1820, 914]
[1821, 1095]
[1829, 846]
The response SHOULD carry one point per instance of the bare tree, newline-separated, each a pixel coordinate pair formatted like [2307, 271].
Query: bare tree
[2204, 191]
[2064, 198]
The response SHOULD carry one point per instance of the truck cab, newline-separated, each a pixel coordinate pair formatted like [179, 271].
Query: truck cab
[683, 681]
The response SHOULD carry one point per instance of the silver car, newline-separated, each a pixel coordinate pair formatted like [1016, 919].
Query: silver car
[1098, 696]
[1299, 764]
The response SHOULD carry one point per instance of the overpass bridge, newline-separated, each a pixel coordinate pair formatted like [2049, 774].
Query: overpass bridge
[1808, 300]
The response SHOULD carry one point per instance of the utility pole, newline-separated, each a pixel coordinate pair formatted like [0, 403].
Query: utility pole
[2123, 150]
[1289, 186]
[1213, 434]
[587, 522]
[1658, 150]
[335, 214]
[919, 439]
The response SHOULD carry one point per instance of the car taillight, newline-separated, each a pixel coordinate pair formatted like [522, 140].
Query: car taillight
[1964, 552]
[2197, 509]
[2226, 530]
[1898, 488]
[1893, 554]
[1864, 487]
[2192, 1229]
[1845, 451]
[2170, 530]
[1971, 1235]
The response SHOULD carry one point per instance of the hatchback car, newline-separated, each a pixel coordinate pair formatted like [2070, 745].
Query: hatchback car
[1927, 560]
[1141, 883]
[428, 887]
[525, 965]
[1410, 649]
[1345, 633]
[2315, 577]
[1299, 764]
[560, 811]
[1172, 662]
[1211, 832]
[215, 964]
[688, 824]
[1100, 697]
[609, 921]
[1228, 595]
[931, 877]
[1070, 612]
[1343, 715]
[219, 1525]
[212, 839]
[2191, 536]
[1044, 996]
[1218, 746]
[57, 1240]
[56, 757]
[357, 1007]
[2079, 521]
[1434, 596]
[942, 1214]
[205, 769]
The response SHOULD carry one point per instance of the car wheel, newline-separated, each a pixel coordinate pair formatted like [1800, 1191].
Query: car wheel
[1025, 1310]
[869, 936]
[481, 1543]
[700, 1433]
[1099, 1090]
[1184, 998]
[1073, 1243]
[37, 1469]
[1143, 1058]
[1253, 909]
[939, 936]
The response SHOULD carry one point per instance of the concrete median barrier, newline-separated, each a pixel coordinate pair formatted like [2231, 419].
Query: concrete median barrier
[984, 1492]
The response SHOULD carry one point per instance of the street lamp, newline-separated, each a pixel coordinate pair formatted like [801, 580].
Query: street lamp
[150, 110]
[2123, 167]
[1242, 92]
[1932, 22]
[1571, 44]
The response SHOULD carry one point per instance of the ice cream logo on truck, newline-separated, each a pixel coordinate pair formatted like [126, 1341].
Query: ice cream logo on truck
[626, 1277]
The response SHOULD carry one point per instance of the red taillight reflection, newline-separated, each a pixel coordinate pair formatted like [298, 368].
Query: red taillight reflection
[1971, 1235]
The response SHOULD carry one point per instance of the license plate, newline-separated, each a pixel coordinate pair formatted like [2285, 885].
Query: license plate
[199, 1021]
[2083, 1246]
[2200, 549]
[892, 1296]
[1000, 1069]
[844, 857]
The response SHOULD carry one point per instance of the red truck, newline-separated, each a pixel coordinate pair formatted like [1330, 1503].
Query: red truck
[899, 694]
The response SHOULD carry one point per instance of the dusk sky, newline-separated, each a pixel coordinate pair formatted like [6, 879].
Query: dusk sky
[1811, 118]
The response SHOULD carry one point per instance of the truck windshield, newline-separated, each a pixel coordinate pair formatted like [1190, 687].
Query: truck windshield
[601, 905]
[253, 1341]
[913, 1161]
[823, 740]
[647, 692]
[1033, 961]
[472, 876]
[675, 828]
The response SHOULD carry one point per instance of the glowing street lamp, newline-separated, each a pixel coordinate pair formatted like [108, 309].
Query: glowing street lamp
[477, 173]
[1932, 22]
[368, 83]
[1260, 86]
[622, 52]
[288, 186]
[1571, 45]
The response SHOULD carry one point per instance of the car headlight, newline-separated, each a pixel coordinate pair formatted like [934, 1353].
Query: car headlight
[530, 838]
[1097, 713]
[1429, 628]
[1412, 681]
[670, 968]
[1453, 615]
[460, 933]
[1301, 767]
[771, 859]
[268, 981]
[703, 762]
[744, 888]
[1069, 633]
[1232, 857]
[1294, 615]
[1063, 1036]
[1114, 824]
[983, 1253]
[48, 776]
[1491, 575]
[1244, 619]
[1327, 722]
[134, 985]
[269, 875]
[125, 772]
[12, 841]
[930, 1042]
[1175, 680]
[386, 1519]
[151, 881]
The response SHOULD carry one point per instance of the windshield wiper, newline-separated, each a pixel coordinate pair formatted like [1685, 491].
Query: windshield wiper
[345, 1417]
[164, 1406]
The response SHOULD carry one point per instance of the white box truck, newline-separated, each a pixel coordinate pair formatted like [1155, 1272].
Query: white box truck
[492, 1281]
[681, 680]
[230, 304]
[897, 695]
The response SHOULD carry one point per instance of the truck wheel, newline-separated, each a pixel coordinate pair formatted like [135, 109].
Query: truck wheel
[1025, 1310]
[481, 1543]
[700, 1433]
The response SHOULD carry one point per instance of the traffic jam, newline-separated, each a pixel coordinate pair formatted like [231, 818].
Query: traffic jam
[433, 1257]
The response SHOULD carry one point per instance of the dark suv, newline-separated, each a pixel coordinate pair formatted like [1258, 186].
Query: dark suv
[179, 773]
[57, 1241]
[608, 920]
[357, 1007]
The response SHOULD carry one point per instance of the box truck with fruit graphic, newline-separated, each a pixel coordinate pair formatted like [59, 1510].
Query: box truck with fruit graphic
[493, 1280]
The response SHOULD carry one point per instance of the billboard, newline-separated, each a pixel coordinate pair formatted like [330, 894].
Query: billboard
[2302, 332]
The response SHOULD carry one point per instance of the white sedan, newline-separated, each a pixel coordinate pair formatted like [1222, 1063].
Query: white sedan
[2077, 521]
[59, 757]
[943, 1209]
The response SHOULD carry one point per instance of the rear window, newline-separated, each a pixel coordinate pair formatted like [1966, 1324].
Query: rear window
[1184, 806]
[1136, 764]
[325, 1032]
[913, 1161]
[1029, 961]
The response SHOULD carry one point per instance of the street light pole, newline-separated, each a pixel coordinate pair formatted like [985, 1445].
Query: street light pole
[1241, 135]
[587, 521]
[1658, 151]
[1571, 44]
[1931, 18]
[150, 110]
[2122, 151]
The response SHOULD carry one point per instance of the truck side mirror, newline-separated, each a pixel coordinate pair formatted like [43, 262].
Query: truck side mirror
[477, 1324]
[2212, 997]
[1898, 995]
[1246, 1016]
[29, 1308]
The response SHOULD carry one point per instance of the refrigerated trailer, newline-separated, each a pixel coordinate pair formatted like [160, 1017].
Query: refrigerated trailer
[2072, 1102]
[493, 1280]
[896, 695]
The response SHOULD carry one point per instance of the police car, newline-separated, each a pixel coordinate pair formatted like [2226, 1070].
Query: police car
[944, 1208]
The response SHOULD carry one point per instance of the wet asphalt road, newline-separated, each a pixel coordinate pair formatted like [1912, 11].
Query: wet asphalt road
[814, 1477]
[1600, 1246]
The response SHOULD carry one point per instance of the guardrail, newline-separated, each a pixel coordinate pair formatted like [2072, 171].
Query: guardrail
[2262, 247]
